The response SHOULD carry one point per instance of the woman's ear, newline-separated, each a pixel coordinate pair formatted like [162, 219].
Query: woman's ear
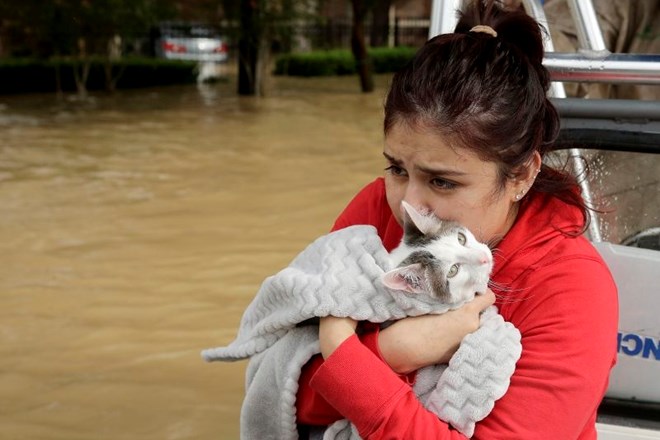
[526, 176]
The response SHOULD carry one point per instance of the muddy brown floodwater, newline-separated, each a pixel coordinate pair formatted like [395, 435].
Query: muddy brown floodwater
[136, 228]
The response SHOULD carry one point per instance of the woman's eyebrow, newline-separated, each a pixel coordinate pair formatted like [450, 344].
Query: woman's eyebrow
[392, 160]
[428, 170]
[441, 171]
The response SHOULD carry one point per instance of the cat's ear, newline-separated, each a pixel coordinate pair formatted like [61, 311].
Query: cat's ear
[409, 279]
[426, 224]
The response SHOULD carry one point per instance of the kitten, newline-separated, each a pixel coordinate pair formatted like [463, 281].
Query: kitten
[439, 259]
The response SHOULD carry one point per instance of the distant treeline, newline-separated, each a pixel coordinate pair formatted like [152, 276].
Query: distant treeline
[59, 75]
[23, 75]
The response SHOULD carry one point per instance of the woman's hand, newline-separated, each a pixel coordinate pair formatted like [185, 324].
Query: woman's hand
[333, 331]
[412, 343]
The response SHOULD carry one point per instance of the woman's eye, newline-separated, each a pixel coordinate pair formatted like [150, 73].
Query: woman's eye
[443, 184]
[461, 238]
[453, 270]
[395, 170]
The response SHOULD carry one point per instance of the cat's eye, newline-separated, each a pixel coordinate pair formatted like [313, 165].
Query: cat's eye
[453, 270]
[461, 238]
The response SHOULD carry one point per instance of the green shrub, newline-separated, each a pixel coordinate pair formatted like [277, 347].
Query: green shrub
[387, 60]
[34, 76]
[340, 61]
[319, 63]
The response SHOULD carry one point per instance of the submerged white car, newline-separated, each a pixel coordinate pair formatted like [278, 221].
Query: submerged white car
[190, 41]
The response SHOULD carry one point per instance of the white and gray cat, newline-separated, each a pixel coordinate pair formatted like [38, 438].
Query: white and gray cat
[439, 259]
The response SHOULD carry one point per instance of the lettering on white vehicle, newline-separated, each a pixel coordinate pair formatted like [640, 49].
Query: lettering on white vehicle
[631, 344]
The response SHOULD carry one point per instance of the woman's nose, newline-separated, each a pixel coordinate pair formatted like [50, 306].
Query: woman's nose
[416, 198]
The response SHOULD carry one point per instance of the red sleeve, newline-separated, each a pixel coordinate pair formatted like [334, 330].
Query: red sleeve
[569, 347]
[311, 407]
[380, 405]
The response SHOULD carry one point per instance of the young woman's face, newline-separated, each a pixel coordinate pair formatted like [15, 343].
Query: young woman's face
[427, 172]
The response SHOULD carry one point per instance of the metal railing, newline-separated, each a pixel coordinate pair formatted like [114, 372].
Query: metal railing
[603, 67]
[592, 63]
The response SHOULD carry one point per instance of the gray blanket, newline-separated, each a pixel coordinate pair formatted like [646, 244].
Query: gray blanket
[339, 274]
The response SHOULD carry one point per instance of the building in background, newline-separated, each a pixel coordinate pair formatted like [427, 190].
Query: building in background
[390, 23]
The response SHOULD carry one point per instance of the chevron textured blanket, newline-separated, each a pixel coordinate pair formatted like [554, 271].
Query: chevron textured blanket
[339, 274]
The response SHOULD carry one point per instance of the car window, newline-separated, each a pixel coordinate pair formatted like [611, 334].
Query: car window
[626, 187]
[188, 31]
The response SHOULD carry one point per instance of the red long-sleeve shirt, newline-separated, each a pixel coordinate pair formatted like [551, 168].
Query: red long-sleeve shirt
[555, 289]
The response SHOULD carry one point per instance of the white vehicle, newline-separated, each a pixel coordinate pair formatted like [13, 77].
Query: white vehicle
[189, 41]
[621, 139]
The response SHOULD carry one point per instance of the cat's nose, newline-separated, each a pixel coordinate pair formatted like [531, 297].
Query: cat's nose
[484, 259]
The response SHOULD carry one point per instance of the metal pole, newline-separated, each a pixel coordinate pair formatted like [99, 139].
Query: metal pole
[589, 33]
[444, 16]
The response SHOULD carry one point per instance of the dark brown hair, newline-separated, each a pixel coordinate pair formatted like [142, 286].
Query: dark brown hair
[489, 93]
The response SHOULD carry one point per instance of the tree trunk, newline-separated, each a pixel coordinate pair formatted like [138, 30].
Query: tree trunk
[113, 57]
[84, 65]
[80, 74]
[248, 48]
[263, 64]
[58, 76]
[359, 47]
[112, 75]
[380, 23]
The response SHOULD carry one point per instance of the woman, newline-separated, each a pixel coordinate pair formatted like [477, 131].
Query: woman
[467, 124]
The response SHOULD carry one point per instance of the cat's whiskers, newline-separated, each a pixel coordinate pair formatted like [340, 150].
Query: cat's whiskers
[505, 295]
[504, 288]
[494, 241]
[496, 251]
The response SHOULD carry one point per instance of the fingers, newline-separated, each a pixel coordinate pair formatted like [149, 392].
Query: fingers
[482, 302]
